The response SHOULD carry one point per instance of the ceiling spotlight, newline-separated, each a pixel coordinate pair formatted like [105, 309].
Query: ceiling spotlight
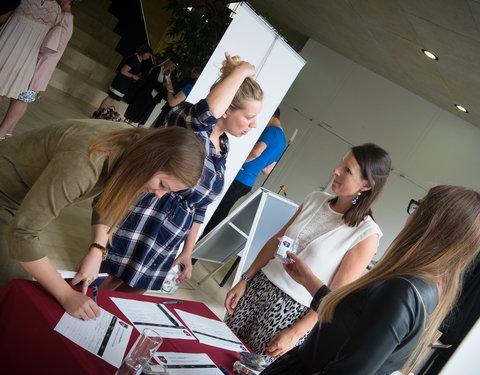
[461, 108]
[429, 54]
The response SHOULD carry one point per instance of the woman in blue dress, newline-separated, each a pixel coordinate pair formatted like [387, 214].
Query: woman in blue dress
[145, 246]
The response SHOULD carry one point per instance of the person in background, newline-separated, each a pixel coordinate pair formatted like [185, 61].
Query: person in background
[262, 158]
[386, 319]
[20, 41]
[149, 93]
[44, 170]
[6, 9]
[336, 235]
[129, 71]
[145, 248]
[175, 99]
[46, 63]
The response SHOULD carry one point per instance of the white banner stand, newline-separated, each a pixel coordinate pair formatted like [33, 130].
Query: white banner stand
[245, 230]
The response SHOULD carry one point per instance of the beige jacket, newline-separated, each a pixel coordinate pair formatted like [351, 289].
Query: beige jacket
[42, 171]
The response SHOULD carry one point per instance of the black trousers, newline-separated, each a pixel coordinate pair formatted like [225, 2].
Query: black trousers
[233, 194]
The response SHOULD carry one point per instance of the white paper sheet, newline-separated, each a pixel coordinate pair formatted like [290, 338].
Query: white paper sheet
[211, 332]
[154, 316]
[106, 336]
[188, 363]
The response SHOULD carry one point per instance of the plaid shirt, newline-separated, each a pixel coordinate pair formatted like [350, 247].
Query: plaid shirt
[145, 246]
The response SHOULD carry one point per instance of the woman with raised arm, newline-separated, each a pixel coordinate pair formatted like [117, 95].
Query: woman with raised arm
[42, 171]
[335, 235]
[384, 321]
[145, 247]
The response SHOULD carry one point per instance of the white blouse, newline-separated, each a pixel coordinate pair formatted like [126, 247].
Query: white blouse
[322, 241]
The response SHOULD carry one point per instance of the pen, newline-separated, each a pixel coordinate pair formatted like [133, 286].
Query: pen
[172, 302]
[95, 293]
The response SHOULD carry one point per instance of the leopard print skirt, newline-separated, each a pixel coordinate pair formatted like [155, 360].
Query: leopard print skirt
[263, 311]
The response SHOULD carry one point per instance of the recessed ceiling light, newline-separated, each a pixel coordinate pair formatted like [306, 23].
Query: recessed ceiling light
[461, 108]
[429, 54]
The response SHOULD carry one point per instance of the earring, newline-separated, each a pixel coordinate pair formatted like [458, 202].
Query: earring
[355, 200]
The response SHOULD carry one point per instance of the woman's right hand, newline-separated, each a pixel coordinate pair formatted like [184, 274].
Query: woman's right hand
[79, 305]
[136, 77]
[234, 295]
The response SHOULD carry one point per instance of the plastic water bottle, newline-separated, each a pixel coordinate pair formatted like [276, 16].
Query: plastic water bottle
[170, 285]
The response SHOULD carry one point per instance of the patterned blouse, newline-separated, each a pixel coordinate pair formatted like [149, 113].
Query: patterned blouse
[145, 246]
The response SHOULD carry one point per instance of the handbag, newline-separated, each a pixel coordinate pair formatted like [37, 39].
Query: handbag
[107, 114]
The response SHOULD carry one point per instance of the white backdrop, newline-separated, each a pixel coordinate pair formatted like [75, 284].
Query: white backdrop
[277, 65]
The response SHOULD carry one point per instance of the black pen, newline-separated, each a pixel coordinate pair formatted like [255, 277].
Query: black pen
[172, 302]
[95, 293]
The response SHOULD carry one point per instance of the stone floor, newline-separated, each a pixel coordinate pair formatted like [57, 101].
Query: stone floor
[68, 236]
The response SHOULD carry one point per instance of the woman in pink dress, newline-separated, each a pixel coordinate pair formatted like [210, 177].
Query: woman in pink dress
[21, 39]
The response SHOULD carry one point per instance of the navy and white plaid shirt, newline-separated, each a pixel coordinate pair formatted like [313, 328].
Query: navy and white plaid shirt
[145, 246]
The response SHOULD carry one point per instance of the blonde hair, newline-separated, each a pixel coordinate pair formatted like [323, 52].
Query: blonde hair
[437, 244]
[249, 90]
[135, 156]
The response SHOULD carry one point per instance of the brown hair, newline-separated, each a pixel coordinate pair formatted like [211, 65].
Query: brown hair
[136, 155]
[375, 165]
[143, 49]
[438, 244]
[249, 90]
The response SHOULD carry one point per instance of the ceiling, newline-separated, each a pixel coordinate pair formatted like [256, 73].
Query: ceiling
[386, 36]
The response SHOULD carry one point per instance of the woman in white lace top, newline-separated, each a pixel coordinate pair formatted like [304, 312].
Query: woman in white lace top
[335, 235]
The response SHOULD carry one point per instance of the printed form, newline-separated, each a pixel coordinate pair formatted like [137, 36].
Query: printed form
[152, 315]
[211, 332]
[187, 364]
[106, 336]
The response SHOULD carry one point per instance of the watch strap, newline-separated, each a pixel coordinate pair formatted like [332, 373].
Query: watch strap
[103, 249]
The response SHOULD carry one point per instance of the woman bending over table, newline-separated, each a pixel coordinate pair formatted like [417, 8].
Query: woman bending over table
[45, 170]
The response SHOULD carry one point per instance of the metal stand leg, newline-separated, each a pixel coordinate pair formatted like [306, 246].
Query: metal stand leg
[230, 271]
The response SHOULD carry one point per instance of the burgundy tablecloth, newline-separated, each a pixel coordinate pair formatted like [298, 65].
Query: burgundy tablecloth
[29, 345]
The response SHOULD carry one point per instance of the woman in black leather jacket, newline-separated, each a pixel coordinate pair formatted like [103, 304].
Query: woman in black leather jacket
[381, 322]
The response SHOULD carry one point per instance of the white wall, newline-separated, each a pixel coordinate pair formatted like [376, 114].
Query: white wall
[336, 103]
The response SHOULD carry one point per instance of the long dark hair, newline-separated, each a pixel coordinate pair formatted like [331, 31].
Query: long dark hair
[375, 165]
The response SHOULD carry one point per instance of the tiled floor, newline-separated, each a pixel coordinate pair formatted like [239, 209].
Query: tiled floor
[68, 236]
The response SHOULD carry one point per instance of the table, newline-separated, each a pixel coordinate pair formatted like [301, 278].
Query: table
[29, 345]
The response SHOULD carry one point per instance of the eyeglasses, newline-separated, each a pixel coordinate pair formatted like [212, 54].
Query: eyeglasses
[412, 206]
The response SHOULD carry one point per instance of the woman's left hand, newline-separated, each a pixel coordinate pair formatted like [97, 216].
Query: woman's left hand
[88, 268]
[247, 69]
[281, 343]
[186, 261]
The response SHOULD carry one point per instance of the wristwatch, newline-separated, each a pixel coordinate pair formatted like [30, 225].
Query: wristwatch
[101, 248]
[245, 277]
